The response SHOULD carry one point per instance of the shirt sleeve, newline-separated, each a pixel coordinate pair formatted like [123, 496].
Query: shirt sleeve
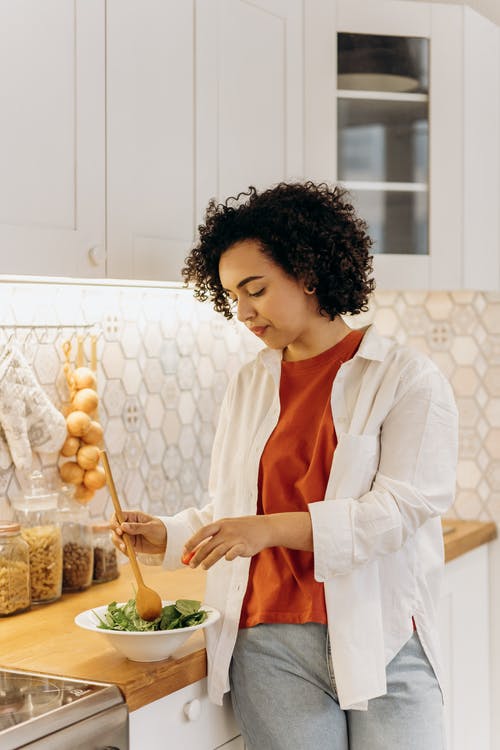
[414, 481]
[179, 528]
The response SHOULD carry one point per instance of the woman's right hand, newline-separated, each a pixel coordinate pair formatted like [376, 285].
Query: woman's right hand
[147, 533]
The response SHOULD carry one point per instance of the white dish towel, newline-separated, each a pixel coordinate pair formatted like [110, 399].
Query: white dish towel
[28, 419]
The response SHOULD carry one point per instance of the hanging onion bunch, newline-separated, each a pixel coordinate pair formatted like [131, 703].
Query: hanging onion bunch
[85, 434]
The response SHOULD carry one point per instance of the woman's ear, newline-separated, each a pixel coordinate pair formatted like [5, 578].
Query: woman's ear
[310, 284]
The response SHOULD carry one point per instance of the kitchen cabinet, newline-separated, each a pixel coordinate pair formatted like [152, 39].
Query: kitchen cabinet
[126, 117]
[465, 637]
[463, 99]
[250, 95]
[150, 156]
[190, 719]
[52, 137]
[218, 87]
[203, 100]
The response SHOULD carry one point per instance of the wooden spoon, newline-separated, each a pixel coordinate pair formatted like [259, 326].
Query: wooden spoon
[147, 602]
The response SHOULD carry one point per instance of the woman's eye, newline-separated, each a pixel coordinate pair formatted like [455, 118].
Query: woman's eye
[257, 294]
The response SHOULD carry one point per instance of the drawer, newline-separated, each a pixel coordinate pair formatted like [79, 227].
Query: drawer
[186, 716]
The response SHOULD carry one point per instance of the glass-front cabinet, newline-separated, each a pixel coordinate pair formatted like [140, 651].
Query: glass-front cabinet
[402, 107]
[383, 136]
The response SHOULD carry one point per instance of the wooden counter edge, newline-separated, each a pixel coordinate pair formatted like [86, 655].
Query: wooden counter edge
[466, 536]
[183, 672]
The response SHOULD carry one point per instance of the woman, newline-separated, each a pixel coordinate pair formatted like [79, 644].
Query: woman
[333, 460]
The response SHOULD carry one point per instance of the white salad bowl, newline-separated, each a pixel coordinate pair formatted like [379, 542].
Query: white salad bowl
[151, 645]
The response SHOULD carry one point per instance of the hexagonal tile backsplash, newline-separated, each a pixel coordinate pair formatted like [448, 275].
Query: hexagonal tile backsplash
[164, 361]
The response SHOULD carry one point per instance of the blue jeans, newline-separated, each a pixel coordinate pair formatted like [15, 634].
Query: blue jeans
[284, 696]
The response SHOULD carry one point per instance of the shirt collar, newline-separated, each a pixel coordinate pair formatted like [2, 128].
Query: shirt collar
[373, 346]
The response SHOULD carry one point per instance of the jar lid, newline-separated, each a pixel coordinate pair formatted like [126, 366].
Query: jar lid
[9, 527]
[98, 527]
[36, 496]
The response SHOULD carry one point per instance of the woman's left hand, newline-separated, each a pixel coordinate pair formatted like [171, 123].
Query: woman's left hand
[227, 538]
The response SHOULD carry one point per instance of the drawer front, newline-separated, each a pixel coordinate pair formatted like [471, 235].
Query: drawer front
[186, 716]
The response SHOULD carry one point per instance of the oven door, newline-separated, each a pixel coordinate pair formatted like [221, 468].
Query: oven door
[107, 730]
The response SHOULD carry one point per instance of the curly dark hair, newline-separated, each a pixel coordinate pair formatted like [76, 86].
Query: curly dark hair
[310, 230]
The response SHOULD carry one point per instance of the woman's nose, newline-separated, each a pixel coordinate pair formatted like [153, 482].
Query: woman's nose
[245, 310]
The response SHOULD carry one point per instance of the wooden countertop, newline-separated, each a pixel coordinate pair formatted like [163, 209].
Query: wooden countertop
[45, 639]
[463, 536]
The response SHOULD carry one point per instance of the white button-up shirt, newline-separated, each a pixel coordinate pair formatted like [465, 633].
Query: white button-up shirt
[378, 545]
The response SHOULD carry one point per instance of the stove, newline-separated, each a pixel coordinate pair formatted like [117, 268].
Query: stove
[54, 713]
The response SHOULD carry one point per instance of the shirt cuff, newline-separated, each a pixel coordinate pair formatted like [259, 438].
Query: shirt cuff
[177, 533]
[332, 538]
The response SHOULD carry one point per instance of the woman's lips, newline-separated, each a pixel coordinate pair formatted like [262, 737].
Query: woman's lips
[259, 330]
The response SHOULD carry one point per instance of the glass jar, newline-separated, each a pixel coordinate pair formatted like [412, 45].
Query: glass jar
[36, 512]
[105, 558]
[78, 551]
[15, 594]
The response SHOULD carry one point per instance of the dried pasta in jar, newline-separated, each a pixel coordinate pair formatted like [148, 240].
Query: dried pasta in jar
[14, 570]
[45, 544]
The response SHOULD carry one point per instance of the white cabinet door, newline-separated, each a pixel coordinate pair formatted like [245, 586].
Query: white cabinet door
[249, 118]
[481, 268]
[464, 106]
[464, 635]
[184, 719]
[52, 205]
[150, 137]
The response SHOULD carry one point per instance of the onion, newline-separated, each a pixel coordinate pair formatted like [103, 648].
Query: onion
[86, 400]
[83, 494]
[84, 378]
[78, 423]
[71, 473]
[94, 479]
[94, 434]
[88, 456]
[70, 447]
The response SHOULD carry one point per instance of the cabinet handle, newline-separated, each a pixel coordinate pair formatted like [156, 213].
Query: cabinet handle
[97, 255]
[193, 709]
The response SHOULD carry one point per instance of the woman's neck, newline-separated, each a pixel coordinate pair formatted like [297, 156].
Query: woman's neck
[321, 337]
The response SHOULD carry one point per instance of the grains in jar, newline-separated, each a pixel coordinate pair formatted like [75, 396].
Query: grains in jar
[105, 559]
[78, 551]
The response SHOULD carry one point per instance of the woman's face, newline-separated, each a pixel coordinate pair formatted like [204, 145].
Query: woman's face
[273, 305]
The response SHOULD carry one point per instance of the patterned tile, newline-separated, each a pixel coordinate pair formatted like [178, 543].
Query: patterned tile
[465, 381]
[132, 414]
[131, 377]
[154, 411]
[114, 397]
[491, 318]
[113, 360]
[164, 362]
[155, 447]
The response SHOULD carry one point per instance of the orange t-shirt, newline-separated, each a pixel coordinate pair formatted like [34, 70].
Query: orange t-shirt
[294, 470]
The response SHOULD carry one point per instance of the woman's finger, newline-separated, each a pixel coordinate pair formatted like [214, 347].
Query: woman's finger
[234, 552]
[205, 532]
[215, 555]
